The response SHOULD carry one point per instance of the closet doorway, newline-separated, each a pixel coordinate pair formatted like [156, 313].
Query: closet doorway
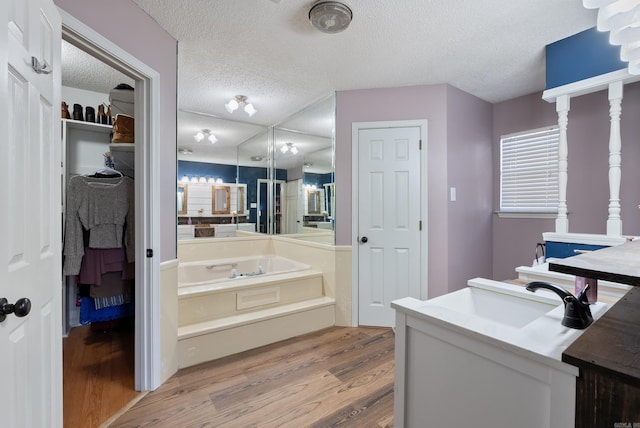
[137, 337]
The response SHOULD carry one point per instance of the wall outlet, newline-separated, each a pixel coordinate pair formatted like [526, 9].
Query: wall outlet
[452, 194]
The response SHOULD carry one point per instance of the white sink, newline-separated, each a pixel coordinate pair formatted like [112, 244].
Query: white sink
[506, 312]
[496, 305]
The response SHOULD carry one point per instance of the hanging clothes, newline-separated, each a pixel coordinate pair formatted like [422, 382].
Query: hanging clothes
[102, 207]
[99, 244]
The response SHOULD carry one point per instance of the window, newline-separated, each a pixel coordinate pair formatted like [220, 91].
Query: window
[529, 171]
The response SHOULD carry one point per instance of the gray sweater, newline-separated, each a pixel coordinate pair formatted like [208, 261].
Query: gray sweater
[101, 206]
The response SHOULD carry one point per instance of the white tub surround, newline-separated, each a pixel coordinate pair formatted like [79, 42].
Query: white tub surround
[220, 316]
[208, 272]
[168, 319]
[486, 356]
[223, 248]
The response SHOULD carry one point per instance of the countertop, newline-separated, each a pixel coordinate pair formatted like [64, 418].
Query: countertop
[616, 264]
[611, 344]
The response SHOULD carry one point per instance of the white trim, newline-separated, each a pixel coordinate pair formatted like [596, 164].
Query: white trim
[356, 127]
[509, 214]
[587, 86]
[147, 105]
[585, 238]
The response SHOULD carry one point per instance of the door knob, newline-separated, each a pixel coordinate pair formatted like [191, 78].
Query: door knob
[21, 308]
[364, 239]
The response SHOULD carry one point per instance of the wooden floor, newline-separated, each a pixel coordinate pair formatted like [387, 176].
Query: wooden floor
[97, 375]
[335, 377]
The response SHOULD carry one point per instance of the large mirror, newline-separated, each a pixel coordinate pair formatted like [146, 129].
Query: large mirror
[182, 199]
[221, 199]
[253, 172]
[263, 175]
[304, 148]
[217, 189]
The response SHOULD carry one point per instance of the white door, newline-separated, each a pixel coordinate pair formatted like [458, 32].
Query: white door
[31, 356]
[388, 221]
[292, 213]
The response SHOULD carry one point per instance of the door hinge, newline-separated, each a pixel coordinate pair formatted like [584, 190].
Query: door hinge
[419, 144]
[420, 225]
[149, 252]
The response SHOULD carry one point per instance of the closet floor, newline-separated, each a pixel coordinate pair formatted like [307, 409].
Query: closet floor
[98, 374]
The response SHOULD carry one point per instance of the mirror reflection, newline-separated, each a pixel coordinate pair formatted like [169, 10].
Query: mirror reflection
[304, 148]
[182, 199]
[231, 178]
[221, 196]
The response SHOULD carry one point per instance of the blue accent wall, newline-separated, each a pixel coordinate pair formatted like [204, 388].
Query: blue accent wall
[202, 169]
[583, 55]
[562, 250]
[317, 179]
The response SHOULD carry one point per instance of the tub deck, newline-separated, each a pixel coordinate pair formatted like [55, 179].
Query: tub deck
[222, 318]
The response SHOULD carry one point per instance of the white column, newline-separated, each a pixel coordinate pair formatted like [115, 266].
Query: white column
[562, 107]
[614, 222]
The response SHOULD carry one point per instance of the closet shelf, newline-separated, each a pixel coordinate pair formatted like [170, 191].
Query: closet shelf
[87, 126]
[122, 147]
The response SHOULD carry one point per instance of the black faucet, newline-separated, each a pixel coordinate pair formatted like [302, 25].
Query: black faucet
[577, 313]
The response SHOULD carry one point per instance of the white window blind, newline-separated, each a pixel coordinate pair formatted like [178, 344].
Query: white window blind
[529, 171]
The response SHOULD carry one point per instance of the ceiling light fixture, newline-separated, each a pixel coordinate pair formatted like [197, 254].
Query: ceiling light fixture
[289, 147]
[205, 133]
[330, 16]
[240, 100]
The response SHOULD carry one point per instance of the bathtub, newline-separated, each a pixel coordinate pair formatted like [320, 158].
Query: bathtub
[223, 270]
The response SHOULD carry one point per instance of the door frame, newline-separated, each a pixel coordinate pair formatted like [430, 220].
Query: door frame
[356, 127]
[147, 203]
[270, 208]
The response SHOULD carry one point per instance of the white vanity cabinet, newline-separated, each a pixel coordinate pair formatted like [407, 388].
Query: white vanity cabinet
[460, 365]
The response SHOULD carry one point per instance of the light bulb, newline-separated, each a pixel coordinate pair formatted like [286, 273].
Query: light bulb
[250, 110]
[199, 136]
[212, 138]
[231, 106]
[294, 150]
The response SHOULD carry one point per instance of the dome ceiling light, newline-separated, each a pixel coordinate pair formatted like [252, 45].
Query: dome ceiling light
[289, 147]
[240, 101]
[205, 133]
[330, 16]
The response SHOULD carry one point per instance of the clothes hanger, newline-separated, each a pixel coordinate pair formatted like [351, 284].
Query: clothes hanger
[106, 171]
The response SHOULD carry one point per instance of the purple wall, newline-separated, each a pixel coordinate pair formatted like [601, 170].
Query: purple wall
[469, 158]
[588, 184]
[430, 103]
[129, 27]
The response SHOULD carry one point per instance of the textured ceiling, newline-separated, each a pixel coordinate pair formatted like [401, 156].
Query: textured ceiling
[493, 49]
[81, 70]
[268, 51]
